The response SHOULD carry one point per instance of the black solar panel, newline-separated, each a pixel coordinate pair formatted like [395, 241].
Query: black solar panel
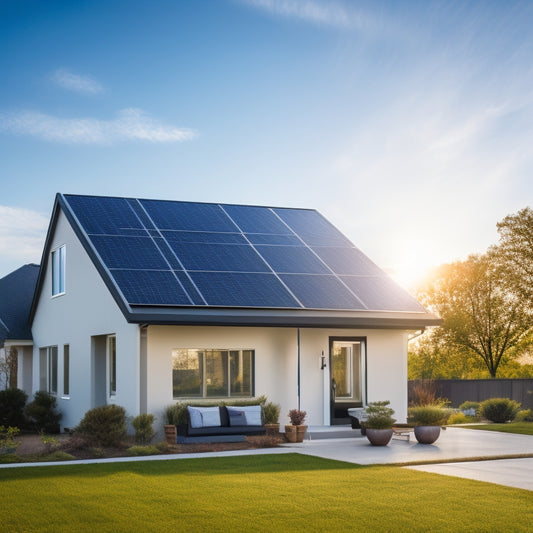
[195, 254]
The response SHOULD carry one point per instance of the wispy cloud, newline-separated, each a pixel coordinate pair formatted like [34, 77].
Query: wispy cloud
[128, 125]
[328, 14]
[76, 82]
[22, 234]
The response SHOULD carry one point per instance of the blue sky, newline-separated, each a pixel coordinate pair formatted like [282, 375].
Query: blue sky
[407, 124]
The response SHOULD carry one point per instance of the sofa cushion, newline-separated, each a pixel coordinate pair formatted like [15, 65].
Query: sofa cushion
[252, 415]
[195, 417]
[202, 417]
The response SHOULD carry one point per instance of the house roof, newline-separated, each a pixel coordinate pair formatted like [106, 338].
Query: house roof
[16, 294]
[171, 262]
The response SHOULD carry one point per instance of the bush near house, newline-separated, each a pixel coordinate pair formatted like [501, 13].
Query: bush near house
[524, 416]
[104, 425]
[499, 410]
[469, 408]
[12, 403]
[43, 413]
[144, 431]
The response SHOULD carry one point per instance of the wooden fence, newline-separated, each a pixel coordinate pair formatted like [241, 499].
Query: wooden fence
[477, 390]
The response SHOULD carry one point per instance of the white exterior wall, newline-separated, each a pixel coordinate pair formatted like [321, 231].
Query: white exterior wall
[86, 309]
[276, 364]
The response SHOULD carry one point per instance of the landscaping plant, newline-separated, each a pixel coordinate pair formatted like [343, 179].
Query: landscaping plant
[104, 425]
[144, 431]
[12, 402]
[499, 410]
[428, 415]
[271, 413]
[43, 413]
[379, 415]
[297, 417]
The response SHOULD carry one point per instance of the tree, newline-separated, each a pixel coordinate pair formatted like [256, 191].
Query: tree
[515, 250]
[481, 314]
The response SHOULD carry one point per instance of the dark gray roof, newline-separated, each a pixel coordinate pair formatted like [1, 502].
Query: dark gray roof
[170, 262]
[16, 295]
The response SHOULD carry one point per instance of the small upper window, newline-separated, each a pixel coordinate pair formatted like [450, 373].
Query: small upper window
[58, 271]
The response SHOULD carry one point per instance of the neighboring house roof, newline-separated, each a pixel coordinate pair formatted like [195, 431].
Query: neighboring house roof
[16, 294]
[170, 262]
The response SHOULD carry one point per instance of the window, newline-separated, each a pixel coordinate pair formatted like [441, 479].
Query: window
[66, 370]
[48, 369]
[58, 271]
[112, 365]
[212, 373]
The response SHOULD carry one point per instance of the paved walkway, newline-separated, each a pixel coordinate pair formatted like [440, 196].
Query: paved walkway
[453, 444]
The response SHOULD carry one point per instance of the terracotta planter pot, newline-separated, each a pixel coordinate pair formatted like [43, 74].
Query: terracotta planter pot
[300, 433]
[272, 430]
[171, 434]
[379, 437]
[291, 433]
[427, 434]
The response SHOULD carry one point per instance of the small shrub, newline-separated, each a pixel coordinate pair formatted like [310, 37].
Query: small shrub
[423, 392]
[42, 412]
[524, 416]
[104, 425]
[271, 413]
[143, 450]
[499, 410]
[164, 447]
[379, 415]
[50, 443]
[58, 455]
[428, 415]
[458, 418]
[7, 439]
[297, 417]
[144, 431]
[12, 402]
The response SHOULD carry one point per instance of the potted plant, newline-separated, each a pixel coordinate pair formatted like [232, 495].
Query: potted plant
[427, 420]
[295, 431]
[379, 423]
[271, 418]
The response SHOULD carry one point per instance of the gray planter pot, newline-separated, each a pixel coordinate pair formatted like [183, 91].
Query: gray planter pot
[427, 434]
[379, 437]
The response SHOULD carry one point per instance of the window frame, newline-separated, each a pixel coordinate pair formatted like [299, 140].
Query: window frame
[66, 371]
[58, 261]
[203, 369]
[111, 366]
[48, 369]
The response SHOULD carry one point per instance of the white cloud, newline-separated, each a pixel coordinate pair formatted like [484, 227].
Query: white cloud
[329, 14]
[75, 82]
[22, 235]
[128, 125]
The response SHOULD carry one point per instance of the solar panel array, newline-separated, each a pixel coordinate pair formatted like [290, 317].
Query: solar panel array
[164, 253]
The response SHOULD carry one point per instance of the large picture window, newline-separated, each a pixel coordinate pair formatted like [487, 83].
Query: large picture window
[212, 373]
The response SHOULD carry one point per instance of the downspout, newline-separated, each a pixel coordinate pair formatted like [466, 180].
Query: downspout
[298, 368]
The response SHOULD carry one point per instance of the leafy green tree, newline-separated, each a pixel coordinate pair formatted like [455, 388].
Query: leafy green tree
[515, 250]
[482, 315]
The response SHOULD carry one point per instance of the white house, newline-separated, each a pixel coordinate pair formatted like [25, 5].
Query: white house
[144, 302]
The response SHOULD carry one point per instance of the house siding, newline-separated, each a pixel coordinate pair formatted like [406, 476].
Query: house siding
[276, 364]
[86, 309]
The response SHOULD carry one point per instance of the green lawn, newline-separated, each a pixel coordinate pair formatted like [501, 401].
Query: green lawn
[523, 428]
[288, 492]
